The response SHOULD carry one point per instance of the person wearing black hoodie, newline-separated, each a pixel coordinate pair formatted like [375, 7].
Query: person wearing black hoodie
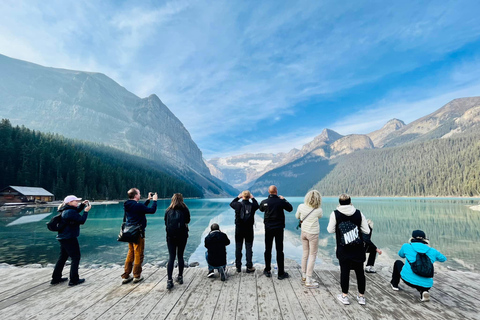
[244, 220]
[274, 220]
[69, 247]
[216, 254]
[135, 215]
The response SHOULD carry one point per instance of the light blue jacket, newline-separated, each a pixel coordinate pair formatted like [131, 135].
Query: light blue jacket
[409, 251]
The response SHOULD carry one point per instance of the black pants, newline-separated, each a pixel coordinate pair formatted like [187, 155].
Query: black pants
[397, 268]
[243, 233]
[68, 248]
[276, 234]
[372, 255]
[176, 247]
[345, 267]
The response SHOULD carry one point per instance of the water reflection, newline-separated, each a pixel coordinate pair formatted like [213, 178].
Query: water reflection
[451, 226]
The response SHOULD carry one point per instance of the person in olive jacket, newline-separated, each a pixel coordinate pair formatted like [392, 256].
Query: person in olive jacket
[274, 221]
[67, 237]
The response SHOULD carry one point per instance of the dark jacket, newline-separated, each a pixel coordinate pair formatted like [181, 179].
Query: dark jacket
[237, 206]
[136, 211]
[273, 207]
[73, 220]
[185, 216]
[216, 243]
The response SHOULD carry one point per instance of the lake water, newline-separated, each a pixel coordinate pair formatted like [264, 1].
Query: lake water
[452, 227]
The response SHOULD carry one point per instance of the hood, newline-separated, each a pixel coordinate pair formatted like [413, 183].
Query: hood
[129, 204]
[420, 247]
[347, 210]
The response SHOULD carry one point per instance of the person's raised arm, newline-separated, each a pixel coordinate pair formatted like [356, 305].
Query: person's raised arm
[332, 223]
[255, 205]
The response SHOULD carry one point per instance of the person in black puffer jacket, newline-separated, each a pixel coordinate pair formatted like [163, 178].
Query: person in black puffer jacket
[216, 254]
[69, 247]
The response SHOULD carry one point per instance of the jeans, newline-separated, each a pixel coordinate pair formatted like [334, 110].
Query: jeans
[345, 267]
[397, 268]
[211, 268]
[176, 247]
[276, 234]
[134, 259]
[68, 248]
[241, 234]
[310, 249]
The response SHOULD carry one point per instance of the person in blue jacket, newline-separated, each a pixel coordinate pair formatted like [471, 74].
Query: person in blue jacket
[418, 244]
[67, 237]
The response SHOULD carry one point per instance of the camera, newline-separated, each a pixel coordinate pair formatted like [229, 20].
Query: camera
[87, 203]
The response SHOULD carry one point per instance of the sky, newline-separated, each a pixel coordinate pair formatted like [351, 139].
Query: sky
[262, 76]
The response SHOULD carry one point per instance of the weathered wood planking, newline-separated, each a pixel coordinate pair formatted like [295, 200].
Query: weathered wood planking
[226, 307]
[267, 300]
[247, 297]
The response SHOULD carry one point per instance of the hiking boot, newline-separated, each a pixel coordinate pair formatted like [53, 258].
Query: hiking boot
[179, 279]
[370, 269]
[127, 280]
[361, 300]
[393, 287]
[283, 276]
[222, 274]
[210, 274]
[58, 281]
[343, 299]
[425, 296]
[137, 280]
[267, 274]
[74, 283]
[251, 269]
[239, 269]
[169, 284]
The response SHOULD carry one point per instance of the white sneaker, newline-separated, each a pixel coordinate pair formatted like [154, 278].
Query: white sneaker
[370, 269]
[137, 280]
[343, 299]
[361, 300]
[127, 280]
[312, 284]
[425, 296]
[394, 288]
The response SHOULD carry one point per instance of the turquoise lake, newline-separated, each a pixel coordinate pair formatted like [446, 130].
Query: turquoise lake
[451, 226]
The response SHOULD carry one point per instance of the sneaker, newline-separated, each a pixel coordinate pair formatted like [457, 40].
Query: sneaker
[370, 269]
[267, 274]
[127, 280]
[179, 279]
[393, 287]
[312, 285]
[343, 299]
[283, 276]
[210, 274]
[251, 269]
[79, 281]
[137, 280]
[222, 274]
[169, 284]
[304, 279]
[425, 296]
[361, 300]
[239, 269]
[58, 281]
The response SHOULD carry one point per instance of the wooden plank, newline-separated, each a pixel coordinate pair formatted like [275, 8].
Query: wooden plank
[112, 297]
[461, 281]
[226, 307]
[267, 301]
[23, 280]
[289, 305]
[247, 302]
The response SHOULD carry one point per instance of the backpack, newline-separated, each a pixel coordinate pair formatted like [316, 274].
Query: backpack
[175, 222]
[349, 233]
[246, 212]
[56, 223]
[422, 266]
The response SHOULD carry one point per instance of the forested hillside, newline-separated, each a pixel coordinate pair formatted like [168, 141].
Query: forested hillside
[64, 166]
[442, 167]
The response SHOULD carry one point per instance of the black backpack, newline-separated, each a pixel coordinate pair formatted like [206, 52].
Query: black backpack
[246, 212]
[56, 224]
[349, 233]
[175, 222]
[422, 266]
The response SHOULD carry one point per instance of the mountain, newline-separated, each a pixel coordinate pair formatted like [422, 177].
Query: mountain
[379, 136]
[92, 107]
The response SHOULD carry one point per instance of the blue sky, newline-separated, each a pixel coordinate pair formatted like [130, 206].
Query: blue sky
[262, 76]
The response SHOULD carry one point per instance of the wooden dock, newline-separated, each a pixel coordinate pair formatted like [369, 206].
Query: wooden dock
[26, 293]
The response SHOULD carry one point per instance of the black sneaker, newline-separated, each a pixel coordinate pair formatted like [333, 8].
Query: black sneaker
[179, 279]
[283, 276]
[222, 274]
[239, 269]
[79, 281]
[169, 284]
[210, 274]
[250, 270]
[267, 274]
[58, 281]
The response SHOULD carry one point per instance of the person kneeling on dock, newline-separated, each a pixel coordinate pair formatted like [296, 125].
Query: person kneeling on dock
[216, 255]
[418, 272]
